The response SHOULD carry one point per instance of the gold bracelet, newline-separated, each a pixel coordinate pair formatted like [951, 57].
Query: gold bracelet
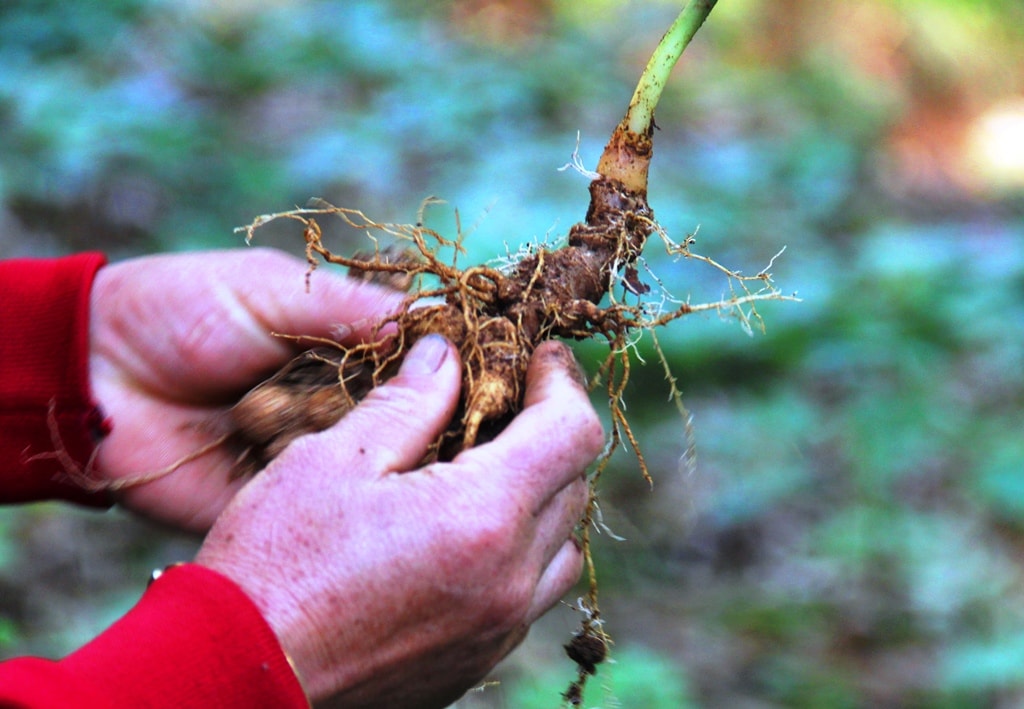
[157, 573]
[295, 671]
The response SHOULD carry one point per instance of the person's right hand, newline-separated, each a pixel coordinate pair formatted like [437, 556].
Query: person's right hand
[394, 586]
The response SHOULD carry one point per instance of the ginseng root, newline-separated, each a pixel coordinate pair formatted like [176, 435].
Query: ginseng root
[589, 286]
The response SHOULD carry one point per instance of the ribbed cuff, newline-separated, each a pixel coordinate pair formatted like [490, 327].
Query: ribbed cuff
[48, 420]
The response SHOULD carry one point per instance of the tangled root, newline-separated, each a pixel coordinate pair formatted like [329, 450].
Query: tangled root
[497, 316]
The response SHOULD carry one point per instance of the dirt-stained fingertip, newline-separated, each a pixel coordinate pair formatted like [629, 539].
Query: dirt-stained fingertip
[555, 354]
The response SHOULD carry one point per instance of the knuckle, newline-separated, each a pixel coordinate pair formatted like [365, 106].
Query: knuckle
[591, 431]
[484, 533]
[198, 338]
[580, 496]
[394, 399]
[403, 405]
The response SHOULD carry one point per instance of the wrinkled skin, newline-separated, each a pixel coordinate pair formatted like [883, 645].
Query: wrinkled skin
[387, 584]
[405, 585]
[175, 339]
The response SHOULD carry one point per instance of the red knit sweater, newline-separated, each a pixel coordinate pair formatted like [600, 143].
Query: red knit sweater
[194, 639]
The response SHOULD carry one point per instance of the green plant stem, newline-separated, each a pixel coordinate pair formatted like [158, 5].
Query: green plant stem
[640, 115]
[627, 156]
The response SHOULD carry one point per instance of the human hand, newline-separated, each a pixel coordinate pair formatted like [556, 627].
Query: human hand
[175, 339]
[389, 585]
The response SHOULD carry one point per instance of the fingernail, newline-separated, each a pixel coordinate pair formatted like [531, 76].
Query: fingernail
[426, 356]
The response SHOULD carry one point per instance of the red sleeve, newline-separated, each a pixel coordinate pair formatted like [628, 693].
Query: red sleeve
[193, 641]
[44, 377]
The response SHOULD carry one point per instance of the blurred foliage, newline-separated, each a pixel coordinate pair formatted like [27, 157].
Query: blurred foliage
[637, 678]
[852, 533]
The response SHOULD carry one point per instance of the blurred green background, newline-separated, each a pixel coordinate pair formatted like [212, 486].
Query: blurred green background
[853, 533]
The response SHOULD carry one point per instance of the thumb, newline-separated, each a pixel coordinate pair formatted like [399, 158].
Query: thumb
[391, 429]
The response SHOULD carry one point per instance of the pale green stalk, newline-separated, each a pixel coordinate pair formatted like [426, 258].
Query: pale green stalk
[627, 156]
[652, 82]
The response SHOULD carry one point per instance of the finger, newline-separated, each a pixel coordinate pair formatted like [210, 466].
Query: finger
[150, 469]
[261, 294]
[559, 519]
[514, 639]
[553, 439]
[173, 473]
[557, 579]
[552, 365]
[184, 324]
[391, 429]
[342, 308]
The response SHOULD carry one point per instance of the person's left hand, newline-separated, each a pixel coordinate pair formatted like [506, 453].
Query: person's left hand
[175, 339]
